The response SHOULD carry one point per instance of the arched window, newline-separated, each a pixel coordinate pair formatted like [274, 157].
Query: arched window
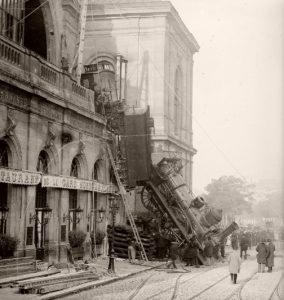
[73, 196]
[178, 102]
[3, 186]
[34, 29]
[3, 154]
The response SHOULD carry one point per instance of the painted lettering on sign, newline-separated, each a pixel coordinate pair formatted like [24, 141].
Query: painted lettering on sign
[76, 184]
[19, 177]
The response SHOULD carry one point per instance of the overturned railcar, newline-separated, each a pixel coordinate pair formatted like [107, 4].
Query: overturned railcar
[164, 193]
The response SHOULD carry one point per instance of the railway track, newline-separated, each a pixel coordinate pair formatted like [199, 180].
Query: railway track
[277, 290]
[140, 286]
[238, 294]
[177, 284]
[207, 288]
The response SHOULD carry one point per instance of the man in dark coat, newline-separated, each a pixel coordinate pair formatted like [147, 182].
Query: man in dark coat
[191, 253]
[244, 243]
[173, 255]
[208, 250]
[261, 256]
[270, 255]
[161, 244]
[222, 247]
[234, 240]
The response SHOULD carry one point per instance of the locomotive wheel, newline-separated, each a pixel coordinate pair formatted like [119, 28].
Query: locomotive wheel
[148, 199]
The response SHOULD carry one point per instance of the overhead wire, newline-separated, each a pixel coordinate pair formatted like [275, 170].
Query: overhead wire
[25, 17]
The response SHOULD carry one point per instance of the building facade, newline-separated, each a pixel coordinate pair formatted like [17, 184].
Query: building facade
[54, 169]
[158, 48]
[55, 175]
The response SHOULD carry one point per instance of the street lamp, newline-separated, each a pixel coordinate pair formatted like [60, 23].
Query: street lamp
[46, 214]
[4, 210]
[113, 199]
[100, 216]
[76, 215]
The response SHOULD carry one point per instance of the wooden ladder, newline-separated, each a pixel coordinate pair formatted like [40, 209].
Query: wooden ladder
[122, 192]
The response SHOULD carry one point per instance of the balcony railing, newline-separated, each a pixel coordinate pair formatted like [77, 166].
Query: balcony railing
[26, 66]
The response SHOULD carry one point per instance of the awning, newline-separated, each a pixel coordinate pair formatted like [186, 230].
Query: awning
[19, 177]
[72, 183]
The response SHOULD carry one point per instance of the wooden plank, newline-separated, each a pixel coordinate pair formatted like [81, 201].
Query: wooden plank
[14, 279]
[55, 280]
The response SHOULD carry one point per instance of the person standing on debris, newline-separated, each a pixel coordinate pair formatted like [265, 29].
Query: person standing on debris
[244, 243]
[132, 251]
[191, 253]
[208, 251]
[234, 265]
[173, 255]
[270, 255]
[261, 256]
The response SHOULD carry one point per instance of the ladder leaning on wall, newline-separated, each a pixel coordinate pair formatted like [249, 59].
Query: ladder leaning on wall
[122, 192]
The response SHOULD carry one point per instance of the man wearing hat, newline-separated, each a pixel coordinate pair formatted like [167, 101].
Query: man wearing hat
[270, 255]
[173, 255]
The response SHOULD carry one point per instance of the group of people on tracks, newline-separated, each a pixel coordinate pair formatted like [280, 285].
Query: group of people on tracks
[265, 258]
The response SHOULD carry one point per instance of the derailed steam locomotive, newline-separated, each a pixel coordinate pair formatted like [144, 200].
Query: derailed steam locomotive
[164, 191]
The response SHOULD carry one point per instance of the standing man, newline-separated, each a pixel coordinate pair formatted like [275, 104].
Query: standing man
[261, 256]
[161, 244]
[234, 240]
[191, 253]
[208, 251]
[132, 251]
[270, 255]
[244, 243]
[222, 247]
[173, 255]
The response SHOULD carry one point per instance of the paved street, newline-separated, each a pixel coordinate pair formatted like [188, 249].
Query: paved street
[203, 283]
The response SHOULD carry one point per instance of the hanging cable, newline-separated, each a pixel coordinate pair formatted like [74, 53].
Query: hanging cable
[25, 17]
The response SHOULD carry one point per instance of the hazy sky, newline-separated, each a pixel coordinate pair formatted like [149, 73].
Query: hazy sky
[238, 87]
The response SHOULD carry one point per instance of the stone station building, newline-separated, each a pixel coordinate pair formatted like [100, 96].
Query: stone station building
[54, 169]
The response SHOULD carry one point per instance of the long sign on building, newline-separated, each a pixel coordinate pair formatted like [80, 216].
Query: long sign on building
[19, 177]
[71, 183]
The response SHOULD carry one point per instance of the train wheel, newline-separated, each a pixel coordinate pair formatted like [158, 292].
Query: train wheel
[148, 199]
